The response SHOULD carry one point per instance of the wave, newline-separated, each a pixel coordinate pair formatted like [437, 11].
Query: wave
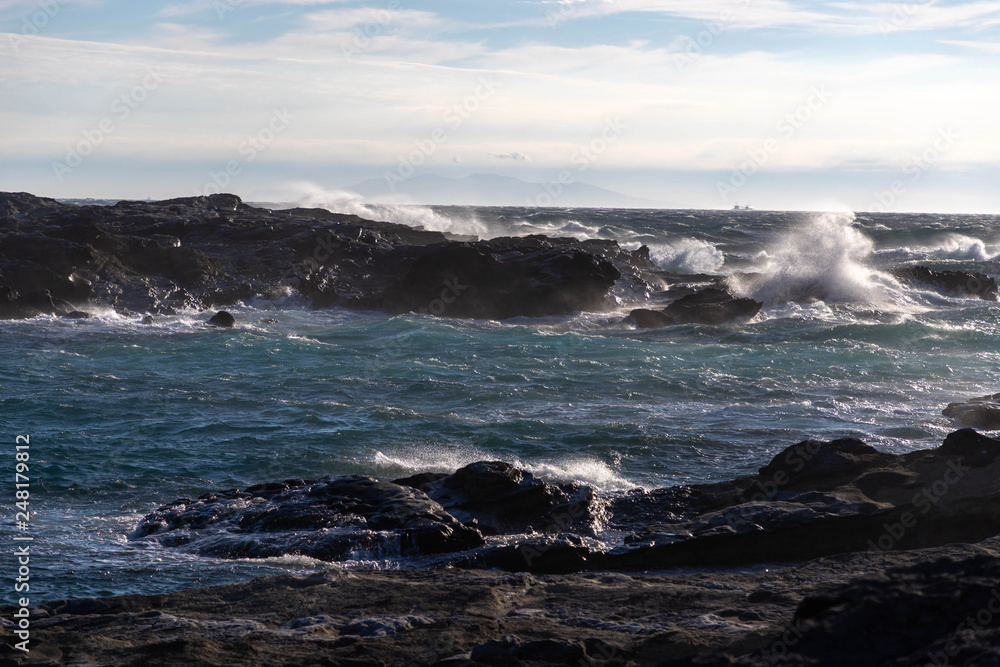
[311, 195]
[826, 259]
[949, 246]
[431, 458]
[687, 256]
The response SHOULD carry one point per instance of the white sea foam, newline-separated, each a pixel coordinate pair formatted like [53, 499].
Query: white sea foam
[311, 195]
[431, 458]
[687, 256]
[825, 260]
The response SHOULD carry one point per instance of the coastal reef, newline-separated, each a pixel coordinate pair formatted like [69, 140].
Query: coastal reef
[833, 553]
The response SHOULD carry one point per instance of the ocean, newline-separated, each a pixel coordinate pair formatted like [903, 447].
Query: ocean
[125, 417]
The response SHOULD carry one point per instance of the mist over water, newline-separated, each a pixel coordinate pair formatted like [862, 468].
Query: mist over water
[126, 417]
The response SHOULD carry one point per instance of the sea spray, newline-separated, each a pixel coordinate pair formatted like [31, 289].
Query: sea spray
[826, 260]
[311, 195]
[688, 256]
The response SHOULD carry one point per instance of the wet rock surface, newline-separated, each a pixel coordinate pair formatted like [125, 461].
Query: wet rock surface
[831, 549]
[214, 251]
[707, 305]
[959, 283]
[813, 499]
[332, 520]
[816, 499]
[899, 608]
[982, 412]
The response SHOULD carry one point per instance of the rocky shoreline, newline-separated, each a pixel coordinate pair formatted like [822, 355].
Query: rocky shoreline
[158, 257]
[900, 608]
[834, 553]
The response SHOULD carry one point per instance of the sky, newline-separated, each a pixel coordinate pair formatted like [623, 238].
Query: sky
[686, 103]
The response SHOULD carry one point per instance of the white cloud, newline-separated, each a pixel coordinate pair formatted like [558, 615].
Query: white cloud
[982, 47]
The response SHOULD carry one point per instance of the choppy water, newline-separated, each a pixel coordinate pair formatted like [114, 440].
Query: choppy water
[125, 417]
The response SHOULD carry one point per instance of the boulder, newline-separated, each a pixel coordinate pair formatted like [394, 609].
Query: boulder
[223, 319]
[817, 499]
[501, 498]
[711, 305]
[706, 305]
[982, 412]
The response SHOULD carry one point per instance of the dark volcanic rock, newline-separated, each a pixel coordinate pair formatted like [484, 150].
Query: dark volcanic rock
[210, 252]
[333, 520]
[708, 305]
[502, 278]
[223, 319]
[983, 412]
[712, 305]
[650, 319]
[505, 499]
[961, 283]
[813, 499]
[933, 613]
[817, 499]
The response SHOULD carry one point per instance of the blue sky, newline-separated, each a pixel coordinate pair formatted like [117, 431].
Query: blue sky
[713, 102]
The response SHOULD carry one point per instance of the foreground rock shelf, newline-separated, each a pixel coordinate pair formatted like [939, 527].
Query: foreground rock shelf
[900, 608]
[833, 553]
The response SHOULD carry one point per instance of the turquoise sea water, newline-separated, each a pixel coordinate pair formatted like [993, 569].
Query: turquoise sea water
[124, 417]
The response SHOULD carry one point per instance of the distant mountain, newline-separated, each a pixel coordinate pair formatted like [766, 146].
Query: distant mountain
[494, 190]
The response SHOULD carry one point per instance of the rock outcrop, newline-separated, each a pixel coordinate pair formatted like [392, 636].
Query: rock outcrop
[708, 305]
[982, 412]
[331, 520]
[958, 283]
[813, 499]
[215, 251]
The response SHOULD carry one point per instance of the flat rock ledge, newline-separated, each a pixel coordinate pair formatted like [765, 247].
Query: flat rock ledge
[901, 608]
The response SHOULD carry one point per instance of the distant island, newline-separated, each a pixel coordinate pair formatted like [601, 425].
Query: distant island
[495, 190]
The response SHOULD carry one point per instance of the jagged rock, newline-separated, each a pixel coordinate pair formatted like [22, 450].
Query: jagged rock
[816, 499]
[505, 499]
[961, 283]
[983, 412]
[333, 519]
[501, 279]
[210, 252]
